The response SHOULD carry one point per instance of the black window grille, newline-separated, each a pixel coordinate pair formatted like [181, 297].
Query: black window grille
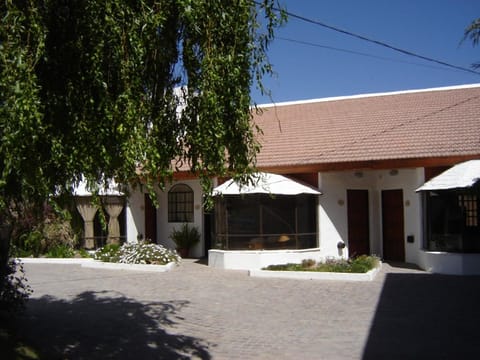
[180, 204]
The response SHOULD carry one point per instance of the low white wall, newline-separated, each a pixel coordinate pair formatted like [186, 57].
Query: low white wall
[450, 263]
[129, 267]
[316, 275]
[258, 259]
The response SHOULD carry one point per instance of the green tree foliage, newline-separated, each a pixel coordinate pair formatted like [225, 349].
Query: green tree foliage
[87, 88]
[472, 32]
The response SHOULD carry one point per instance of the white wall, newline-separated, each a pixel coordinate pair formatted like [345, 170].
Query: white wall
[332, 210]
[136, 216]
[333, 221]
[450, 263]
[164, 228]
[333, 215]
[258, 259]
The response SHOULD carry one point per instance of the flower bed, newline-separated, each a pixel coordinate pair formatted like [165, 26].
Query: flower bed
[363, 268]
[142, 256]
[360, 264]
[142, 253]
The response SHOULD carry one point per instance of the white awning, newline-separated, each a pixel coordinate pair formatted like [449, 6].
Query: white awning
[463, 175]
[266, 183]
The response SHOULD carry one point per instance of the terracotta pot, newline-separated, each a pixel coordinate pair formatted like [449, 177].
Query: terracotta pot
[183, 252]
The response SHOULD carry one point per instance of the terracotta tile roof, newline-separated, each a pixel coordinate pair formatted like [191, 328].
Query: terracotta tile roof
[431, 123]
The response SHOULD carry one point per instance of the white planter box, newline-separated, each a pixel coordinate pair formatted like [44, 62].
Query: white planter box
[132, 267]
[56, 260]
[258, 259]
[316, 275]
[95, 264]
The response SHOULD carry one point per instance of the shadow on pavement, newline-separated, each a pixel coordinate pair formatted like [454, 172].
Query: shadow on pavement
[426, 316]
[202, 261]
[103, 325]
[403, 265]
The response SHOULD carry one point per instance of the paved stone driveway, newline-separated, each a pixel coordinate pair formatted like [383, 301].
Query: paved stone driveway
[203, 313]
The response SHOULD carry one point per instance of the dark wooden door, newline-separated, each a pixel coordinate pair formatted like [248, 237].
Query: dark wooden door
[358, 222]
[150, 220]
[393, 225]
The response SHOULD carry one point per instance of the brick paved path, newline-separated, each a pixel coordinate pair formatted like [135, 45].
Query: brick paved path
[204, 313]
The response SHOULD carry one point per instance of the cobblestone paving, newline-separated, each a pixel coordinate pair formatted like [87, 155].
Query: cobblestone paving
[204, 313]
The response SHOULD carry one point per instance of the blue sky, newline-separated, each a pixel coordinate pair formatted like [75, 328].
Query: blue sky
[432, 28]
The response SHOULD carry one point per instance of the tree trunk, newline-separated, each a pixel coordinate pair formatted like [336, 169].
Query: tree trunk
[5, 231]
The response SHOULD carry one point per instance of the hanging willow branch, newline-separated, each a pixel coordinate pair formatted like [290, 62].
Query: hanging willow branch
[91, 88]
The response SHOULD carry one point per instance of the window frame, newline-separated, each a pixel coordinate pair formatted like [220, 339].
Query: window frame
[266, 222]
[180, 204]
[452, 220]
[469, 204]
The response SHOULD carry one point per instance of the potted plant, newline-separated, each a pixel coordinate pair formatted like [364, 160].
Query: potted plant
[185, 238]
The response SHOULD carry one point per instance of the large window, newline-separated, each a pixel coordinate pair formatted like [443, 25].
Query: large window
[468, 203]
[265, 222]
[180, 204]
[453, 221]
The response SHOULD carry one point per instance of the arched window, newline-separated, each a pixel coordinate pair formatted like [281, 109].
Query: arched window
[180, 204]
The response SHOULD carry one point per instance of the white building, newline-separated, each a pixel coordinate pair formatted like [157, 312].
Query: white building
[367, 155]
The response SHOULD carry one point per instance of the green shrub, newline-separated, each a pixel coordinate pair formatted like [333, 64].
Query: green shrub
[58, 231]
[108, 253]
[19, 252]
[185, 237]
[50, 235]
[15, 291]
[307, 263]
[334, 265]
[60, 251]
[361, 264]
[364, 263]
[31, 243]
[83, 253]
[285, 267]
